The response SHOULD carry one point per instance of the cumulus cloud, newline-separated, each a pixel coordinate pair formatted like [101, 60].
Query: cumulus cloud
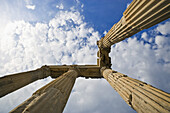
[29, 4]
[68, 39]
[61, 6]
[95, 96]
[144, 36]
[147, 61]
[78, 1]
[58, 42]
[32, 7]
[164, 28]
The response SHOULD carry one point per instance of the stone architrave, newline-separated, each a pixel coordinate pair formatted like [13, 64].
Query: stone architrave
[52, 98]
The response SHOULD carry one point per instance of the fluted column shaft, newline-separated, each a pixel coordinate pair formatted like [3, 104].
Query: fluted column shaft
[137, 94]
[13, 82]
[52, 97]
[141, 14]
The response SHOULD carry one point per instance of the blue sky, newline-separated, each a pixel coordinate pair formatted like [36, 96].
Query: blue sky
[104, 13]
[35, 33]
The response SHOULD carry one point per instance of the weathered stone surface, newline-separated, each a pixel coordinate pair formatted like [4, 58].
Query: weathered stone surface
[87, 71]
[51, 98]
[103, 55]
[13, 82]
[141, 96]
[141, 14]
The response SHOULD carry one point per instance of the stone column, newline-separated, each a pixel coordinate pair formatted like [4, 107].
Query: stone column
[141, 96]
[13, 82]
[51, 98]
[141, 14]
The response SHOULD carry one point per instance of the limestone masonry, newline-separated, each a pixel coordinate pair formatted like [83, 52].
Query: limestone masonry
[142, 97]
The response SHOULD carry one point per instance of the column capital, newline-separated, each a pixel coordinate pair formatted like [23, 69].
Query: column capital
[103, 54]
[76, 69]
[104, 68]
[44, 71]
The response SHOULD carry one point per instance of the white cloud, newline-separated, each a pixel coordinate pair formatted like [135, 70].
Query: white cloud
[67, 39]
[160, 40]
[105, 32]
[61, 6]
[32, 7]
[37, 43]
[29, 4]
[82, 5]
[95, 96]
[144, 36]
[127, 5]
[134, 58]
[144, 61]
[164, 28]
[78, 2]
[25, 46]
